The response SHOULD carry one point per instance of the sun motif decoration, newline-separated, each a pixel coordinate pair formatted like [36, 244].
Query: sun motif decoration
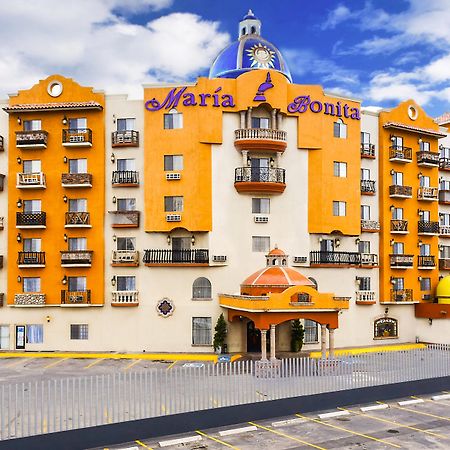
[261, 56]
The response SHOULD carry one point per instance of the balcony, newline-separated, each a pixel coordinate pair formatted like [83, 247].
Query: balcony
[77, 137]
[128, 258]
[127, 138]
[261, 139]
[78, 220]
[29, 299]
[125, 178]
[399, 226]
[369, 259]
[427, 159]
[30, 181]
[444, 264]
[2, 181]
[444, 231]
[397, 191]
[400, 154]
[253, 180]
[29, 260]
[401, 261]
[124, 219]
[157, 257]
[125, 298]
[333, 259]
[444, 163]
[31, 220]
[429, 194]
[2, 219]
[1, 261]
[2, 145]
[368, 187]
[427, 228]
[2, 298]
[76, 180]
[365, 297]
[370, 226]
[76, 258]
[401, 295]
[367, 150]
[31, 139]
[75, 298]
[426, 262]
[444, 197]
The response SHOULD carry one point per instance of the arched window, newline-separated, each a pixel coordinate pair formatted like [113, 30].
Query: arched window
[386, 327]
[340, 129]
[173, 119]
[201, 289]
[253, 30]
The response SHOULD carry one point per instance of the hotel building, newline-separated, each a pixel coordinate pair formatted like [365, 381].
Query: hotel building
[131, 225]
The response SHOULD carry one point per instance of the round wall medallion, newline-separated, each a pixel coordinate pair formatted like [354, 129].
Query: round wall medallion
[165, 307]
[412, 112]
[54, 88]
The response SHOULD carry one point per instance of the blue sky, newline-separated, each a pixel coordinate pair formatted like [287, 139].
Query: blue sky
[380, 51]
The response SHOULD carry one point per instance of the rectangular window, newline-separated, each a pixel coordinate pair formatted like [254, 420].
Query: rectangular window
[78, 165]
[444, 252]
[260, 205]
[365, 174]
[172, 204]
[327, 245]
[32, 245]
[424, 146]
[260, 122]
[77, 205]
[79, 123]
[364, 283]
[444, 219]
[397, 214]
[444, 185]
[397, 178]
[124, 165]
[126, 283]
[425, 215]
[31, 284]
[311, 331]
[79, 331]
[76, 244]
[365, 137]
[397, 142]
[260, 243]
[424, 250]
[173, 120]
[126, 204]
[126, 243]
[32, 206]
[425, 284]
[365, 212]
[126, 124]
[31, 166]
[340, 129]
[398, 248]
[398, 284]
[340, 169]
[173, 162]
[201, 331]
[364, 247]
[77, 284]
[339, 208]
[35, 334]
[32, 125]
[444, 152]
[424, 181]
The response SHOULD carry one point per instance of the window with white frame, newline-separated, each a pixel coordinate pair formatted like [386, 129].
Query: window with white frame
[32, 245]
[260, 205]
[260, 122]
[364, 247]
[78, 123]
[173, 119]
[32, 125]
[365, 137]
[201, 289]
[444, 251]
[260, 243]
[32, 206]
[77, 284]
[397, 142]
[311, 329]
[444, 185]
[173, 162]
[32, 284]
[78, 165]
[127, 124]
[126, 283]
[424, 146]
[397, 178]
[77, 244]
[340, 169]
[398, 284]
[444, 152]
[35, 334]
[365, 212]
[124, 165]
[444, 219]
[327, 245]
[340, 129]
[201, 330]
[425, 215]
[339, 208]
[363, 283]
[126, 204]
[425, 284]
[397, 214]
[398, 248]
[79, 331]
[365, 174]
[78, 205]
[173, 203]
[126, 243]
[425, 250]
[424, 181]
[31, 166]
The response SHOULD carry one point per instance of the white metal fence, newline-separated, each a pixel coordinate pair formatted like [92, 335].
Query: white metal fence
[46, 406]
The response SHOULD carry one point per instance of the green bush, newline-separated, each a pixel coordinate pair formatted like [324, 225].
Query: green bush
[220, 333]
[297, 335]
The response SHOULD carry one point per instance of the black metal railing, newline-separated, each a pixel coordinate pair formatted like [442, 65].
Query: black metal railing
[367, 150]
[399, 226]
[401, 261]
[336, 258]
[2, 147]
[426, 261]
[428, 227]
[157, 256]
[78, 218]
[125, 177]
[401, 295]
[400, 152]
[444, 163]
[77, 136]
[74, 257]
[76, 297]
[428, 158]
[368, 187]
[30, 218]
[127, 138]
[405, 191]
[259, 174]
[31, 258]
[34, 137]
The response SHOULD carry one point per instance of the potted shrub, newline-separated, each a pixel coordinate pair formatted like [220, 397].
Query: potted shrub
[220, 334]
[297, 335]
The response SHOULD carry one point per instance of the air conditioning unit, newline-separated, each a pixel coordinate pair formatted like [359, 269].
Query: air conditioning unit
[173, 218]
[173, 176]
[219, 258]
[300, 259]
[261, 219]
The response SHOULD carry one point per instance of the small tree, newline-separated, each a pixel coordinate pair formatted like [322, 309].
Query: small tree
[297, 335]
[220, 333]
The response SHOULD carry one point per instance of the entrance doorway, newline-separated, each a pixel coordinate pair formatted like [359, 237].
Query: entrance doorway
[253, 338]
[181, 247]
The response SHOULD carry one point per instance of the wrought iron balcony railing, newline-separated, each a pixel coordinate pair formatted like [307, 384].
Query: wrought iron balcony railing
[401, 261]
[125, 257]
[399, 153]
[2, 146]
[125, 219]
[399, 226]
[76, 258]
[77, 137]
[259, 175]
[127, 138]
[2, 180]
[370, 225]
[428, 159]
[2, 220]
[367, 150]
[427, 193]
[335, 258]
[427, 261]
[76, 297]
[159, 256]
[125, 177]
[125, 298]
[396, 190]
[368, 187]
[29, 299]
[427, 227]
[31, 219]
[30, 180]
[401, 295]
[77, 219]
[76, 180]
[27, 259]
[31, 139]
[444, 163]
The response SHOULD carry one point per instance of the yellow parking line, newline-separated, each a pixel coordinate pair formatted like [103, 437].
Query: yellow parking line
[171, 365]
[54, 363]
[216, 440]
[93, 363]
[394, 422]
[132, 364]
[16, 363]
[420, 412]
[367, 436]
[142, 444]
[287, 436]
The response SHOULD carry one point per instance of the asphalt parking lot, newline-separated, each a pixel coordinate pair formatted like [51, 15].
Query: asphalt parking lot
[422, 423]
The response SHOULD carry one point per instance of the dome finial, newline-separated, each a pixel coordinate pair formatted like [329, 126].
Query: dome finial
[249, 25]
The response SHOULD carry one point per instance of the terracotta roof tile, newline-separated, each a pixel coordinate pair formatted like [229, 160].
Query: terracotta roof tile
[53, 106]
[444, 118]
[403, 126]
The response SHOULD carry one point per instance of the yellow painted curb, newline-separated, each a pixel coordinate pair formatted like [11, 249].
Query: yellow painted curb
[362, 350]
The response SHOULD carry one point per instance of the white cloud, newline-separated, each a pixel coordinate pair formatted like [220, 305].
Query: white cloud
[96, 43]
[338, 15]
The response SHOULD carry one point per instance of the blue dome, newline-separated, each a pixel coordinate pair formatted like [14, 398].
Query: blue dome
[249, 53]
